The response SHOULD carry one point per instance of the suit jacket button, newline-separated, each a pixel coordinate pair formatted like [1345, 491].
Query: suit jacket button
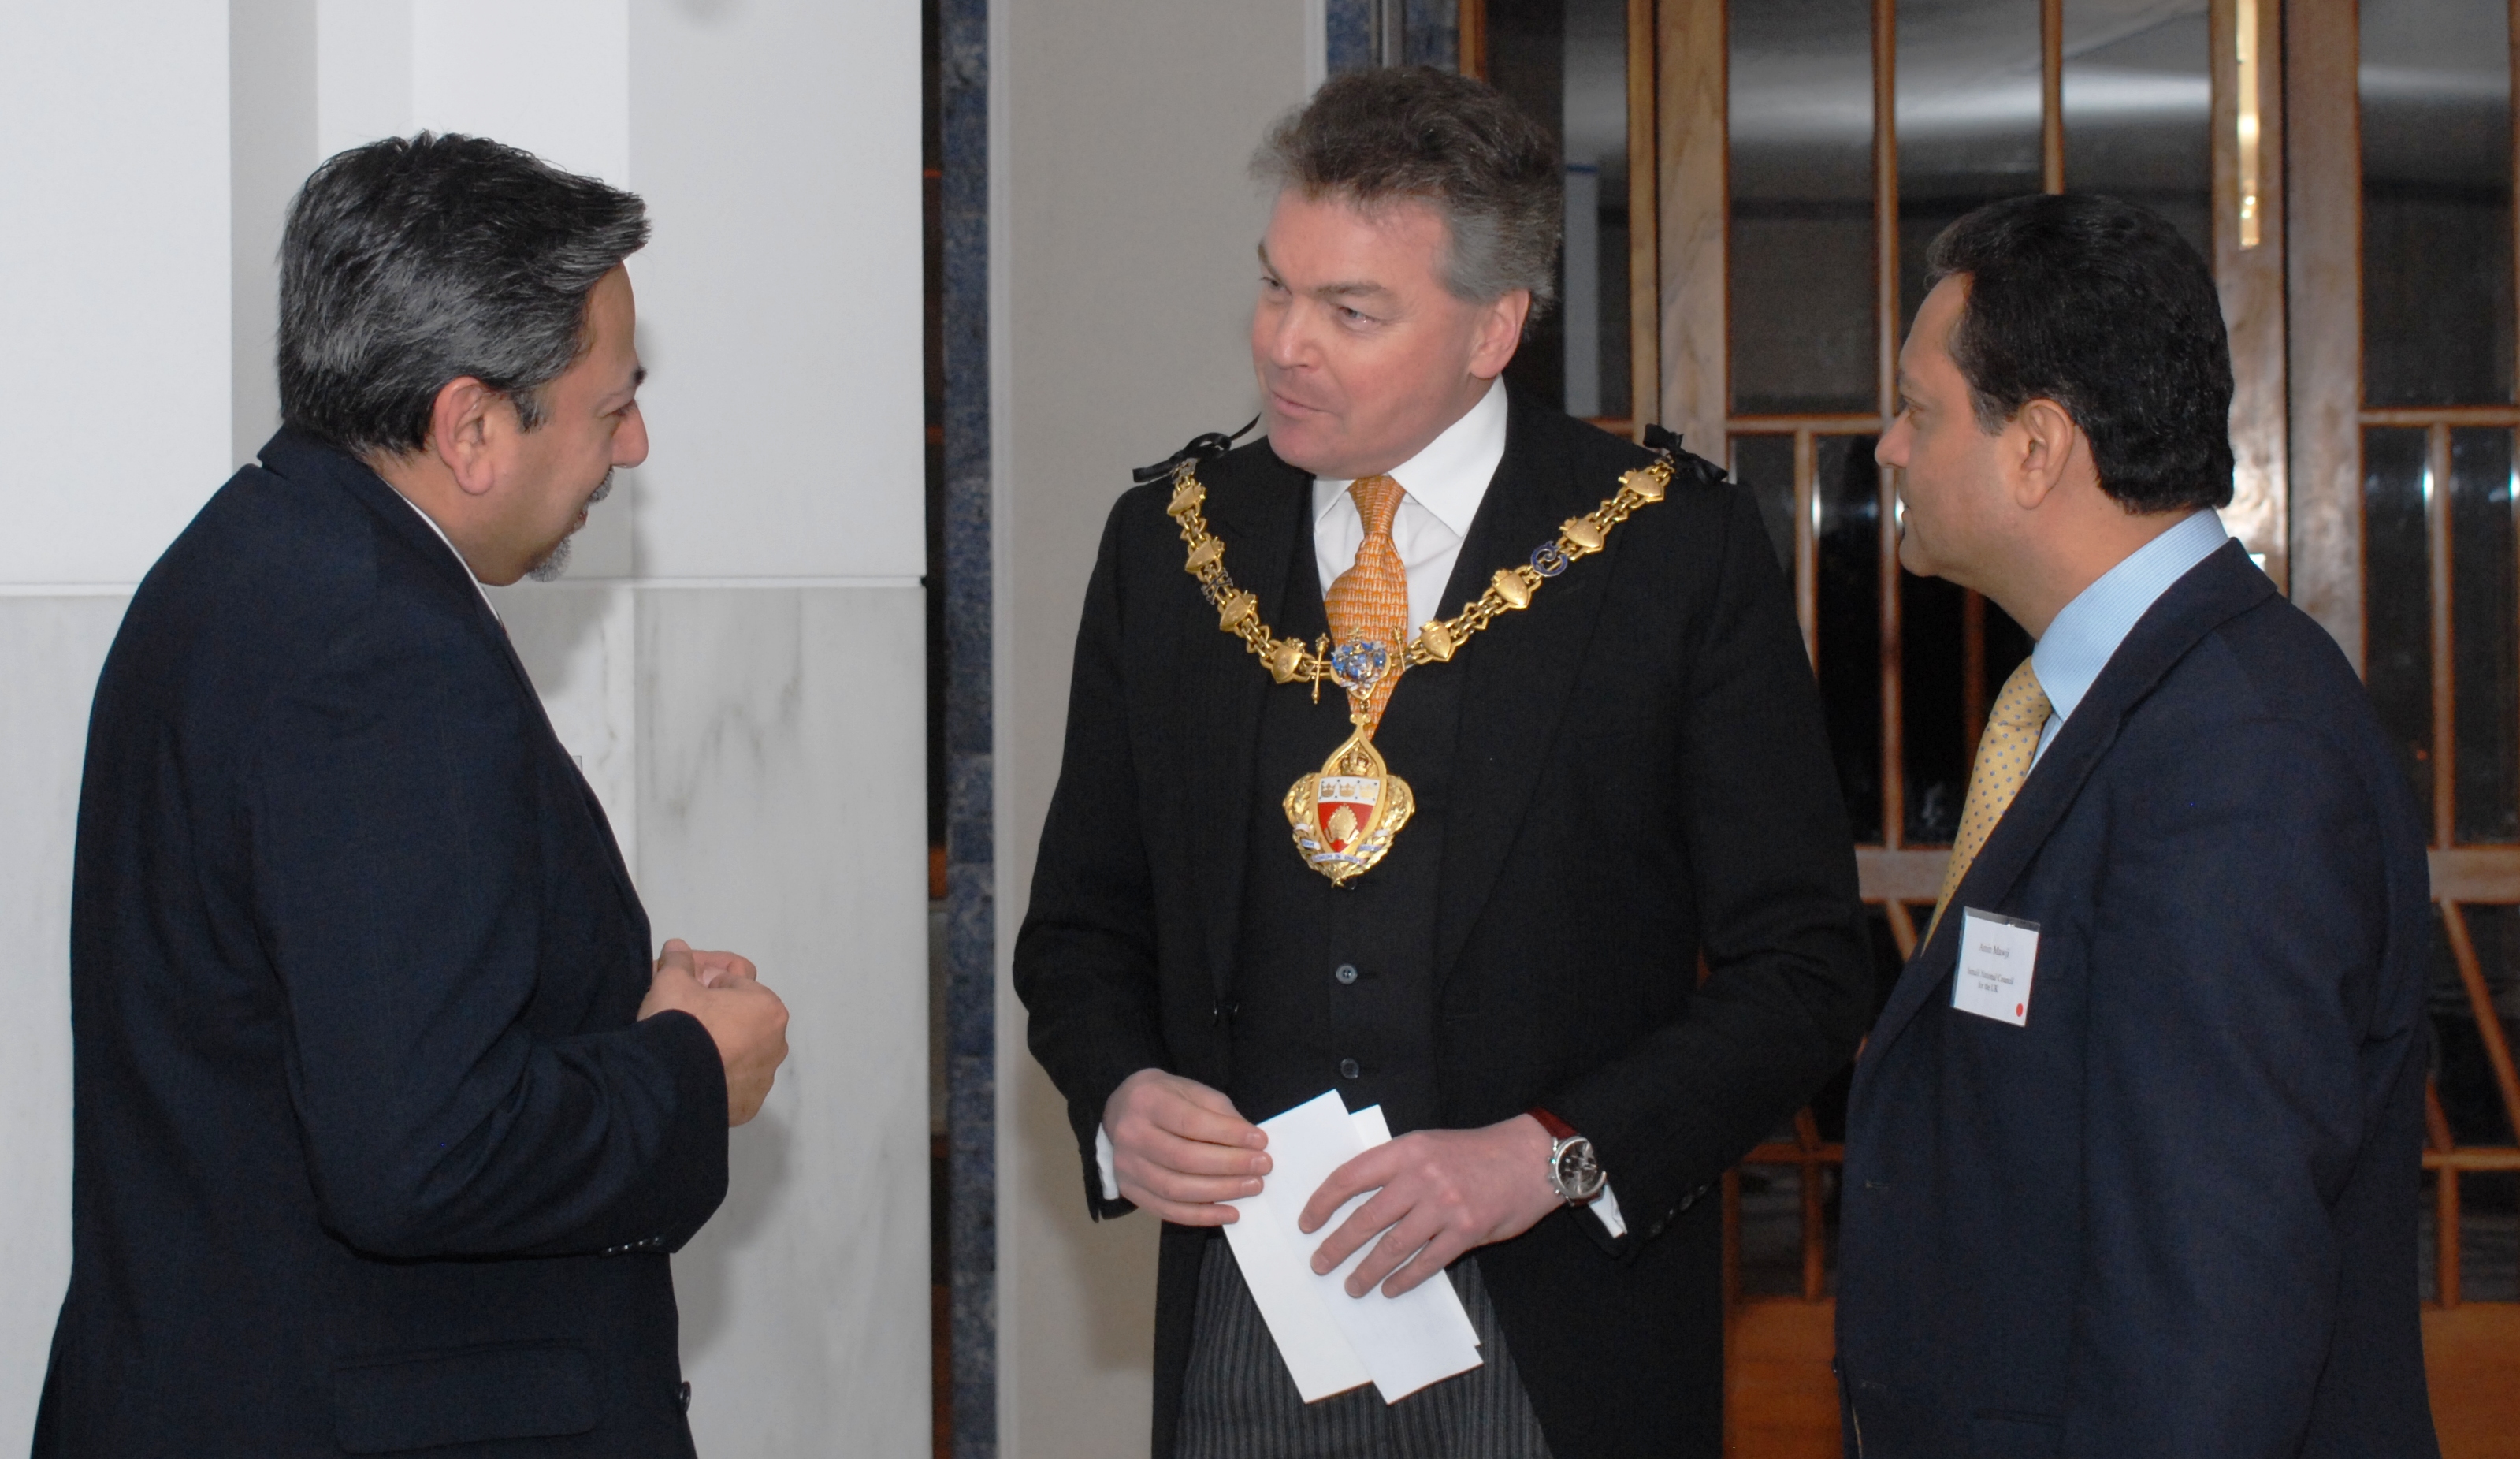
[684, 1397]
[1349, 1069]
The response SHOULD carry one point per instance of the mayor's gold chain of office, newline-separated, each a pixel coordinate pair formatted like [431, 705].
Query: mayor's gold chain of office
[1345, 815]
[1290, 661]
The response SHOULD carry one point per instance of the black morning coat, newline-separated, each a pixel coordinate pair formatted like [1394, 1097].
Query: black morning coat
[1640, 776]
[370, 1153]
[2174, 1214]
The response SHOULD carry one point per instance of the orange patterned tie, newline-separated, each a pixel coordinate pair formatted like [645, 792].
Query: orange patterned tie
[1370, 601]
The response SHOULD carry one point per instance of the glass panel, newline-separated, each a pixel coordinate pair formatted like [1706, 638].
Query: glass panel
[1846, 492]
[2139, 107]
[1805, 335]
[2435, 91]
[2396, 600]
[1565, 62]
[1765, 464]
[1596, 266]
[2485, 635]
[1968, 119]
[1527, 62]
[1932, 668]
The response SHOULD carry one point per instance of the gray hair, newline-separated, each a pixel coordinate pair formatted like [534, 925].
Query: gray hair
[411, 263]
[1416, 134]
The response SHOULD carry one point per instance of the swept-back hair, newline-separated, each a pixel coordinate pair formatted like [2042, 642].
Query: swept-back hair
[1413, 133]
[2102, 307]
[412, 261]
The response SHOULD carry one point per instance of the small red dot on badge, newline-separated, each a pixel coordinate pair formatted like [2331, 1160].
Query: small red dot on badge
[2016, 1009]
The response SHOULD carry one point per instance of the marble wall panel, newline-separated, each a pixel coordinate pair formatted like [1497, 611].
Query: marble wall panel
[781, 813]
[50, 651]
[113, 283]
[777, 144]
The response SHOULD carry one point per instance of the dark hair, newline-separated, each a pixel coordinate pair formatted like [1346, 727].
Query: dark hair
[2102, 307]
[408, 263]
[1413, 133]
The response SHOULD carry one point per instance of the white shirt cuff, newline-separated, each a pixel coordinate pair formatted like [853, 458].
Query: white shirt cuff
[1102, 1161]
[1605, 1206]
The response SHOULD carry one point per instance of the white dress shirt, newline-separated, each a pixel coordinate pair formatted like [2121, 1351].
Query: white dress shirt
[1441, 489]
[2086, 632]
[477, 585]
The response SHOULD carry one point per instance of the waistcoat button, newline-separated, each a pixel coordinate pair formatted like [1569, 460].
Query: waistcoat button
[1349, 1069]
[1346, 973]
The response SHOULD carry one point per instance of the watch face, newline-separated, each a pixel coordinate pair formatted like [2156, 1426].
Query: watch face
[1575, 1172]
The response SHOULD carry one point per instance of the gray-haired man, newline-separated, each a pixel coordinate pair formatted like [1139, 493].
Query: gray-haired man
[387, 1121]
[1612, 765]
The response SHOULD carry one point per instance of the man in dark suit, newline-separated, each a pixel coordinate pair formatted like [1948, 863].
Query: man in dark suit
[384, 1123]
[2131, 1155]
[1615, 768]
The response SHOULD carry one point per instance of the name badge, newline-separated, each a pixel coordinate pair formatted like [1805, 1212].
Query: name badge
[1998, 955]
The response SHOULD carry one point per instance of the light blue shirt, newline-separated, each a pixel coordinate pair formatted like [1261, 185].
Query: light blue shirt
[2086, 632]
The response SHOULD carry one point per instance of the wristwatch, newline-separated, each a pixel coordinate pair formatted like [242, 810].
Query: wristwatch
[1573, 1172]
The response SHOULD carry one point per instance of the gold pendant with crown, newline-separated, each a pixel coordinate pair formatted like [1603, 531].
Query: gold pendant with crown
[1345, 814]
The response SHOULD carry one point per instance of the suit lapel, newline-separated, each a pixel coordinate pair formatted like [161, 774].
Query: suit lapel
[2213, 592]
[1257, 512]
[1519, 674]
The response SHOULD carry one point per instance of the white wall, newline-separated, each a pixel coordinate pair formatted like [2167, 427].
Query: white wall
[737, 657]
[1121, 243]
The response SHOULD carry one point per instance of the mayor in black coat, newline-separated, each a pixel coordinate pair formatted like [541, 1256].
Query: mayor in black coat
[384, 1124]
[2159, 1197]
[1619, 789]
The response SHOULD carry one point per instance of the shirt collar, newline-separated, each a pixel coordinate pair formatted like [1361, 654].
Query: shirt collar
[477, 585]
[2086, 632]
[1450, 476]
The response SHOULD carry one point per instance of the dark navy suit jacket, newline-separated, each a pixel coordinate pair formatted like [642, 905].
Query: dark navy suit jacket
[2175, 1215]
[369, 1152]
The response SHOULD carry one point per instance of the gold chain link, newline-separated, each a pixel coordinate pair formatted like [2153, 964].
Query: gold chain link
[1290, 661]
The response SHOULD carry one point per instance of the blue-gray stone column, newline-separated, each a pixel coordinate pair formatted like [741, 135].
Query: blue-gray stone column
[970, 853]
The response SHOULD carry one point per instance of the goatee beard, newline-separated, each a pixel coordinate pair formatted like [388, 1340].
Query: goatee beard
[553, 564]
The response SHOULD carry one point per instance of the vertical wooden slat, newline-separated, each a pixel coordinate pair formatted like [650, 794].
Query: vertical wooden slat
[1894, 737]
[2052, 95]
[2445, 1203]
[2445, 678]
[1470, 32]
[1690, 145]
[2324, 270]
[1885, 198]
[1814, 1208]
[2480, 1003]
[1731, 1239]
[1806, 542]
[1644, 260]
[2251, 285]
[1903, 928]
[1885, 307]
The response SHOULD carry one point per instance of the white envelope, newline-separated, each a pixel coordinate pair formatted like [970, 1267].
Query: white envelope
[1332, 1342]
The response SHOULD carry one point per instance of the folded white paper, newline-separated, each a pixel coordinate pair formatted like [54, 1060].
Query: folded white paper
[1332, 1342]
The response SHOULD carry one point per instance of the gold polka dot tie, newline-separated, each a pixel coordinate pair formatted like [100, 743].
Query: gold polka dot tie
[2004, 755]
[1370, 601]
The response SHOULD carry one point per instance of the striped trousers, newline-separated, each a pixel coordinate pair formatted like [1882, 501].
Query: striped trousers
[1238, 1401]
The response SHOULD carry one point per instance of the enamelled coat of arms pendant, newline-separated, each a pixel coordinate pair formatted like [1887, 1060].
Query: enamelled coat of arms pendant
[1345, 814]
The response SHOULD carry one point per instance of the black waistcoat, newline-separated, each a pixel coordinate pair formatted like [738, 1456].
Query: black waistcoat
[1334, 986]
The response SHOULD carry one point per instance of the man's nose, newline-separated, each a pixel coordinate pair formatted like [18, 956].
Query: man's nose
[630, 442]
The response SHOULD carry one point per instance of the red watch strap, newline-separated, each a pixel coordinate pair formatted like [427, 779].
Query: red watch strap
[1558, 1129]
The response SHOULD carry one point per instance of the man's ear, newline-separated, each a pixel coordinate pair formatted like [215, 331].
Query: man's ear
[466, 427]
[2044, 445]
[1500, 333]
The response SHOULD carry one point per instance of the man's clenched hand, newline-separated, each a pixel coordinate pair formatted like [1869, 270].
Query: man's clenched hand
[747, 1022]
